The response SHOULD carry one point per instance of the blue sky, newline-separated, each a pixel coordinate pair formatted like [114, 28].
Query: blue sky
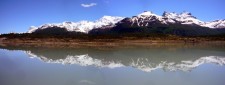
[19, 15]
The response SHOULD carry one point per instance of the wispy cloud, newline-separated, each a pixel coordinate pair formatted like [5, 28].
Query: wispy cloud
[88, 5]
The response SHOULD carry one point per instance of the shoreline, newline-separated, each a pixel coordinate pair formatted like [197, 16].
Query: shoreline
[102, 42]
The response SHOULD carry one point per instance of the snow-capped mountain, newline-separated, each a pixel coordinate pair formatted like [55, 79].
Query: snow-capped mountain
[215, 24]
[147, 18]
[82, 26]
[183, 18]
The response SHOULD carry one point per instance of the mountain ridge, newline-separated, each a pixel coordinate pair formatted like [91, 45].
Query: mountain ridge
[142, 20]
[81, 26]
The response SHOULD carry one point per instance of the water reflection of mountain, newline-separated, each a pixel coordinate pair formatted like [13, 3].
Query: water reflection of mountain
[169, 58]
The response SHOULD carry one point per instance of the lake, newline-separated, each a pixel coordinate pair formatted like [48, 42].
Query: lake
[155, 64]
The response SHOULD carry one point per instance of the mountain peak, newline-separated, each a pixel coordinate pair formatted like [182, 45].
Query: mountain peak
[186, 13]
[110, 18]
[169, 14]
[146, 13]
[107, 17]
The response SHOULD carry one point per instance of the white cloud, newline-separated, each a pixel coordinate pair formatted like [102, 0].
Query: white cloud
[88, 5]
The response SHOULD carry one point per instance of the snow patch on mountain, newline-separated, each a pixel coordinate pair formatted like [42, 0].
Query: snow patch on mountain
[32, 29]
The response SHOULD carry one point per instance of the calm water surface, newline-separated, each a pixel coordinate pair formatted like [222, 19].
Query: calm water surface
[164, 64]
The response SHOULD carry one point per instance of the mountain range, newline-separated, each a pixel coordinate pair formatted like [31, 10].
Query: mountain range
[184, 24]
